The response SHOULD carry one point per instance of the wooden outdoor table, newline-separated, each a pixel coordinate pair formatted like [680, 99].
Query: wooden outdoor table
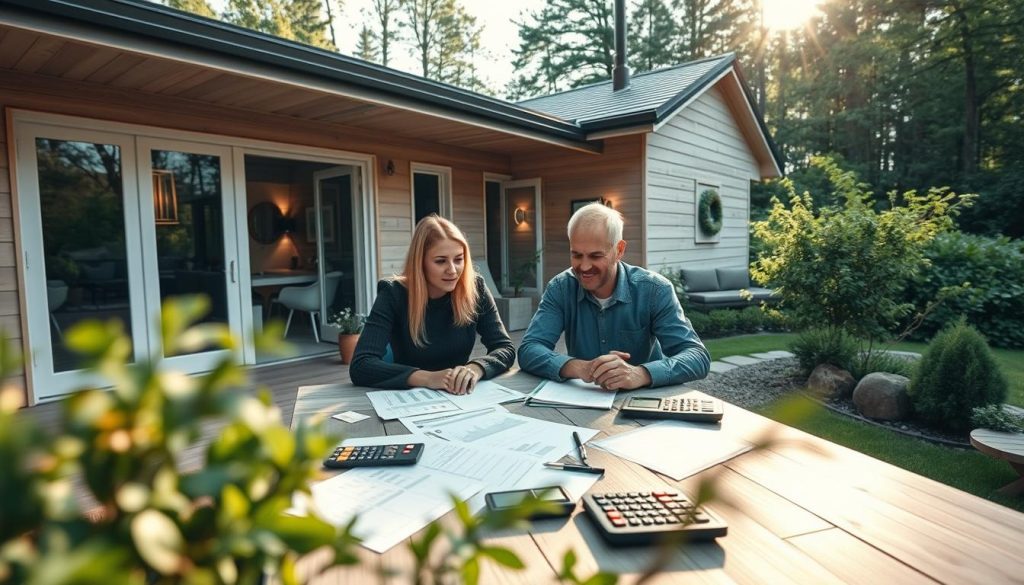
[801, 510]
[1008, 446]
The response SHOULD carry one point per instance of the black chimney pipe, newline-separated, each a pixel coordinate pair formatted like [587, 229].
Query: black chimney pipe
[620, 74]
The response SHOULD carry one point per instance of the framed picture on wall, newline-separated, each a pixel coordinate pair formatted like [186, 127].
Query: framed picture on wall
[579, 203]
[328, 213]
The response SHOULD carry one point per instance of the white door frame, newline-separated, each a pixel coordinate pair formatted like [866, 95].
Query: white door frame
[538, 213]
[360, 252]
[44, 383]
[203, 361]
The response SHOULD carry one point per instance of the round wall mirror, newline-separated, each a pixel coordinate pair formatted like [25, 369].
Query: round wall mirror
[265, 221]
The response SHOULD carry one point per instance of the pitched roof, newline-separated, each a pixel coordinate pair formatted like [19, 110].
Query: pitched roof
[650, 99]
[649, 94]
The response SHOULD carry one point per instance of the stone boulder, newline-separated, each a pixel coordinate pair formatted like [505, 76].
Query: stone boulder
[830, 382]
[883, 396]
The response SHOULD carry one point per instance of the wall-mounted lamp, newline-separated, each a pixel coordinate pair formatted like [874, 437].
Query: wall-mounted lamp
[165, 197]
[389, 168]
[607, 203]
[519, 215]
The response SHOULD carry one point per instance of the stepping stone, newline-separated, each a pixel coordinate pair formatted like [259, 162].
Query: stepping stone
[1013, 409]
[719, 367]
[741, 360]
[780, 353]
[765, 356]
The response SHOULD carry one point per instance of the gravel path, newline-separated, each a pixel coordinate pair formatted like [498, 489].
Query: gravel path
[753, 385]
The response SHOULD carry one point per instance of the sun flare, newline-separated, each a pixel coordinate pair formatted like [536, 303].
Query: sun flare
[789, 14]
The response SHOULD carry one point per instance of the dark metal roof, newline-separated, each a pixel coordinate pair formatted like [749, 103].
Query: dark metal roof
[649, 97]
[155, 21]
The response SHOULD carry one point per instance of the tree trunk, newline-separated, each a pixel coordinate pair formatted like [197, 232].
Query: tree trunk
[972, 125]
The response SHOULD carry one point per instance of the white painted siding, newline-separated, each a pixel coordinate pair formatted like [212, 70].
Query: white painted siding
[702, 143]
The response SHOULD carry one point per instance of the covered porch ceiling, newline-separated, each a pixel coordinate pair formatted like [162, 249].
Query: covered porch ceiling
[47, 55]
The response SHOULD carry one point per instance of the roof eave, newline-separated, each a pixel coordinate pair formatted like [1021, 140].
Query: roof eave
[159, 22]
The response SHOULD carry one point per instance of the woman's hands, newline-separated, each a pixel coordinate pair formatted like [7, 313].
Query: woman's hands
[457, 380]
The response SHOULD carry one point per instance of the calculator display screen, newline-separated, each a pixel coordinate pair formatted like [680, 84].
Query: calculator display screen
[510, 499]
[645, 402]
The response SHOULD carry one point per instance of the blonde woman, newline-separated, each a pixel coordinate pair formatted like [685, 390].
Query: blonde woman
[431, 315]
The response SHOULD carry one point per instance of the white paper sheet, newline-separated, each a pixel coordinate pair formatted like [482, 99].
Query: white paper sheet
[575, 393]
[394, 502]
[497, 428]
[676, 448]
[392, 404]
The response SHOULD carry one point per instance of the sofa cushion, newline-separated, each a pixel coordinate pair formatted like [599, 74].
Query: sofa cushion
[733, 278]
[716, 297]
[699, 279]
[763, 294]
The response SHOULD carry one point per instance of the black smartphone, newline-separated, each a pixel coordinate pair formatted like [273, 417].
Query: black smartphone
[563, 505]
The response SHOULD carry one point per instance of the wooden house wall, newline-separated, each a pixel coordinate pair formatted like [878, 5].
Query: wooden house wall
[701, 144]
[616, 174]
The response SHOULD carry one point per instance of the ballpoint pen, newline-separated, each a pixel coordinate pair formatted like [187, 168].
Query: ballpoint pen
[576, 467]
[581, 448]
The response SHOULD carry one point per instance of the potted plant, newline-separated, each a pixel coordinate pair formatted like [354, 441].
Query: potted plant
[349, 325]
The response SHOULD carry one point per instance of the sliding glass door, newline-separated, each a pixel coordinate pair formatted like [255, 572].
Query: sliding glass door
[113, 224]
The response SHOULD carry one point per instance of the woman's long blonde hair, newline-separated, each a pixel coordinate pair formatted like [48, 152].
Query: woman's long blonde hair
[429, 231]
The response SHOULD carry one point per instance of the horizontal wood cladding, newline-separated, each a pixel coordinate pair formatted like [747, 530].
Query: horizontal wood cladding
[701, 145]
[616, 174]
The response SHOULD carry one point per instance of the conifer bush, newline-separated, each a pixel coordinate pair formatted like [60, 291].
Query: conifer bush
[956, 374]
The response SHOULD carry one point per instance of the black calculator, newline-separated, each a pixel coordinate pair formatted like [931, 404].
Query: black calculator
[374, 455]
[690, 406]
[634, 518]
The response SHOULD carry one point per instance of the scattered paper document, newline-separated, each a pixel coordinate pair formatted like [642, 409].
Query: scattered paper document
[676, 448]
[497, 428]
[392, 503]
[350, 416]
[571, 393]
[392, 404]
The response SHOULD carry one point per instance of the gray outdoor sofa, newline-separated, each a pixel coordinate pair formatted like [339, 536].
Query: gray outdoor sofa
[715, 288]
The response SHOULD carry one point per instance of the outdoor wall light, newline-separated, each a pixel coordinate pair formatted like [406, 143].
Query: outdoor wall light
[389, 168]
[519, 215]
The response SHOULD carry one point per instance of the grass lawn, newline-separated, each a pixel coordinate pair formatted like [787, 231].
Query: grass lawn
[943, 464]
[1011, 362]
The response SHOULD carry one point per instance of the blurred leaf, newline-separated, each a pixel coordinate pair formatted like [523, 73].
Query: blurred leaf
[421, 548]
[177, 315]
[471, 571]
[502, 556]
[233, 503]
[302, 534]
[158, 541]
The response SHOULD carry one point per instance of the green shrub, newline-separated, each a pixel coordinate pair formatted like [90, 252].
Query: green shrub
[880, 361]
[814, 347]
[676, 278]
[956, 374]
[996, 418]
[845, 267]
[993, 300]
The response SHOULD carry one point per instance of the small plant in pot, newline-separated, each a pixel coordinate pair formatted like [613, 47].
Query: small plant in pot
[349, 325]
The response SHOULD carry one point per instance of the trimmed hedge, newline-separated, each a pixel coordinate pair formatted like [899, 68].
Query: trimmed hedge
[994, 301]
[725, 322]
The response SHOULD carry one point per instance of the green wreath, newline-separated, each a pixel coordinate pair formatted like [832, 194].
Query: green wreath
[709, 212]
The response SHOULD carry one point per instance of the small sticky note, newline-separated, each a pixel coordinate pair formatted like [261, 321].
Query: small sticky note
[350, 417]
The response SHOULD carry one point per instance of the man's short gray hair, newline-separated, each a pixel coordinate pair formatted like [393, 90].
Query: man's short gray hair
[598, 215]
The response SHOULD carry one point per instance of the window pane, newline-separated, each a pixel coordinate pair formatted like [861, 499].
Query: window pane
[82, 202]
[426, 195]
[190, 228]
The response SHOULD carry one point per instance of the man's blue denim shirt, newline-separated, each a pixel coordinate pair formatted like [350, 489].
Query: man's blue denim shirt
[644, 320]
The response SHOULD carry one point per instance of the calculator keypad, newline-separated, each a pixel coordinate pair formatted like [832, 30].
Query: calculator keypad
[374, 455]
[643, 517]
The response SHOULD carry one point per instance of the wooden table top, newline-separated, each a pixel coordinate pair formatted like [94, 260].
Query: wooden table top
[800, 510]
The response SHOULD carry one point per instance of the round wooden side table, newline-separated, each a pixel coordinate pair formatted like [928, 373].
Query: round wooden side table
[1008, 446]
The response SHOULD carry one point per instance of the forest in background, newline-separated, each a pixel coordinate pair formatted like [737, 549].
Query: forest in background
[910, 94]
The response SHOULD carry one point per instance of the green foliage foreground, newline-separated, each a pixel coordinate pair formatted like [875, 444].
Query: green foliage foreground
[155, 523]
